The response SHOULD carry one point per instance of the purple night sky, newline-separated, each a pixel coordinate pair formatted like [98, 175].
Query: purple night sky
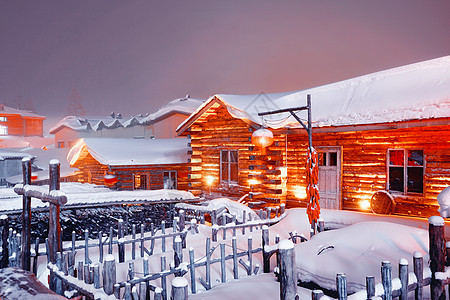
[134, 56]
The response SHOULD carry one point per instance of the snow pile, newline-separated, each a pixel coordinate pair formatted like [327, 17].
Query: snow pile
[233, 207]
[122, 151]
[444, 202]
[358, 251]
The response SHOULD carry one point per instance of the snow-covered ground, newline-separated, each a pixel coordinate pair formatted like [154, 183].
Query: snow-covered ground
[356, 247]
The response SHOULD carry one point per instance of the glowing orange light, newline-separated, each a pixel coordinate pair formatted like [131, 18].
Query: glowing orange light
[253, 182]
[262, 138]
[34, 176]
[110, 180]
[210, 180]
[365, 204]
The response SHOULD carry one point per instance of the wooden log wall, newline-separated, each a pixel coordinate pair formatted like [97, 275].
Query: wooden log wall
[23, 126]
[220, 131]
[363, 168]
[155, 173]
[364, 163]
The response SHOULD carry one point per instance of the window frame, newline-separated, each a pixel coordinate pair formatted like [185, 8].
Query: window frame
[176, 178]
[405, 167]
[146, 181]
[3, 130]
[3, 119]
[228, 163]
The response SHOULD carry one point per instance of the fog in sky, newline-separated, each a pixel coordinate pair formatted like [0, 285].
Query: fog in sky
[134, 56]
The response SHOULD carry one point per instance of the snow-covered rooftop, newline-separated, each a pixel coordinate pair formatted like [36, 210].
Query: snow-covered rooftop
[14, 111]
[88, 123]
[416, 91]
[121, 151]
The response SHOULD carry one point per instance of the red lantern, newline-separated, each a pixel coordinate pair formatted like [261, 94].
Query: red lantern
[262, 138]
[110, 180]
[34, 176]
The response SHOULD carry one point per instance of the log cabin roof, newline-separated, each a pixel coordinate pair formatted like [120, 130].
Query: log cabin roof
[122, 151]
[413, 92]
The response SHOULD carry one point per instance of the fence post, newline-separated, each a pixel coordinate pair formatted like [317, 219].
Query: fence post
[54, 226]
[437, 255]
[288, 270]
[316, 294]
[266, 254]
[341, 284]
[179, 289]
[370, 286]
[418, 271]
[403, 275]
[192, 270]
[386, 279]
[4, 222]
[109, 274]
[26, 218]
[178, 252]
[235, 260]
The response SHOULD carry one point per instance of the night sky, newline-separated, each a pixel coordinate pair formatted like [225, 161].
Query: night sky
[134, 56]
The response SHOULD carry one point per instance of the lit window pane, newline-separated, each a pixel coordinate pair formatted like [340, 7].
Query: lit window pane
[396, 158]
[234, 172]
[224, 156]
[224, 173]
[233, 156]
[322, 159]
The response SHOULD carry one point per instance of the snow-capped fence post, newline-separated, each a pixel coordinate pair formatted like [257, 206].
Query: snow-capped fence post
[100, 247]
[403, 276]
[143, 291]
[214, 233]
[288, 272]
[370, 286]
[110, 242]
[163, 239]
[54, 226]
[341, 285]
[4, 223]
[26, 218]
[158, 294]
[437, 255]
[386, 279]
[80, 270]
[116, 289]
[266, 254]
[316, 294]
[86, 247]
[214, 217]
[418, 271]
[282, 208]
[222, 263]
[179, 288]
[36, 255]
[109, 274]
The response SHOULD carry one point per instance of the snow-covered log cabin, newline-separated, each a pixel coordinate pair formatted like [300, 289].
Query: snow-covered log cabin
[133, 164]
[388, 131]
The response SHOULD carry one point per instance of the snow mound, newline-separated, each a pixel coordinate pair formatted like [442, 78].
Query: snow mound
[233, 207]
[358, 251]
[444, 202]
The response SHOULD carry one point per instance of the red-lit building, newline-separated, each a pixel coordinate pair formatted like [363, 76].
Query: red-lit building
[387, 131]
[16, 122]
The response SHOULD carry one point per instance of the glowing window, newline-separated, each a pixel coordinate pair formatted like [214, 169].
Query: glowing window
[406, 169]
[140, 182]
[3, 130]
[170, 180]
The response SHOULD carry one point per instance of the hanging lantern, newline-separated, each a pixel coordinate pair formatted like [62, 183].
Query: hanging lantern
[34, 176]
[262, 138]
[110, 180]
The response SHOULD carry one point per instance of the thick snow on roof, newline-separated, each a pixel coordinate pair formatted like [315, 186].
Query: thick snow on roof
[184, 105]
[5, 154]
[14, 111]
[121, 151]
[87, 123]
[417, 91]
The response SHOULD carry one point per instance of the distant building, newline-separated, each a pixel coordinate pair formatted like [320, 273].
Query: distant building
[137, 164]
[159, 125]
[11, 164]
[17, 122]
